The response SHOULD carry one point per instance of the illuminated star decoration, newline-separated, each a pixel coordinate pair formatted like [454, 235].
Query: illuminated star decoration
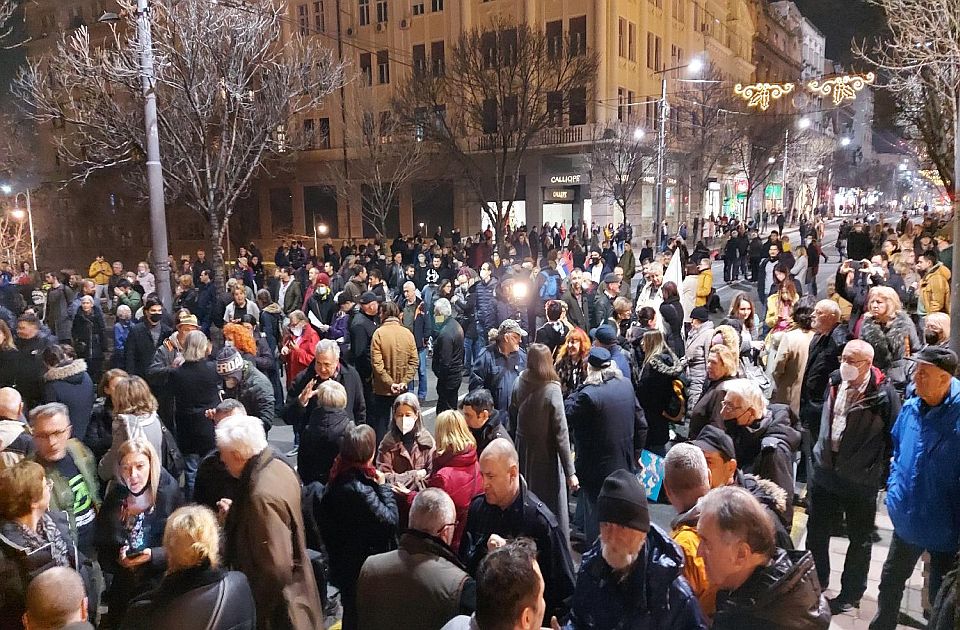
[760, 94]
[842, 88]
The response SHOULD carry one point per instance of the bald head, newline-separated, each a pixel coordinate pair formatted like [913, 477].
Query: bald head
[501, 450]
[55, 598]
[859, 350]
[500, 471]
[826, 315]
[11, 404]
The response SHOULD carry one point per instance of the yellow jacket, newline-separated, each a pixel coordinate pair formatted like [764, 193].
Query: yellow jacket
[100, 272]
[704, 286]
[693, 568]
[935, 290]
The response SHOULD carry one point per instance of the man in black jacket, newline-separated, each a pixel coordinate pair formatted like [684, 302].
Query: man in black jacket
[301, 396]
[448, 349]
[146, 337]
[362, 327]
[508, 509]
[482, 418]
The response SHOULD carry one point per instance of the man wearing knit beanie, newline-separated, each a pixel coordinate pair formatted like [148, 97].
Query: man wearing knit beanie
[632, 577]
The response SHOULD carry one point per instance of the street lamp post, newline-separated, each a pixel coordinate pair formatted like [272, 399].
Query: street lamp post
[158, 217]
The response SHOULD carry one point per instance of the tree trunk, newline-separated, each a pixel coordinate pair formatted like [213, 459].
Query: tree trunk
[216, 258]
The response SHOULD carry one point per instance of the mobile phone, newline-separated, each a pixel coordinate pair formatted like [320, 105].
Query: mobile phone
[134, 553]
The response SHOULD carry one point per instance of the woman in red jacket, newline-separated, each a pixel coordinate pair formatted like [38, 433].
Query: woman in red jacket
[298, 345]
[455, 467]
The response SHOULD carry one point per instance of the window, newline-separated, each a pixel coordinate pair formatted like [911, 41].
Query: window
[420, 115]
[366, 69]
[319, 25]
[418, 8]
[419, 60]
[650, 114]
[511, 116]
[621, 104]
[364, 12]
[309, 132]
[508, 46]
[323, 133]
[439, 116]
[631, 97]
[632, 43]
[654, 45]
[622, 38]
[555, 108]
[385, 131]
[367, 126]
[490, 115]
[437, 58]
[381, 11]
[488, 42]
[437, 6]
[578, 36]
[302, 19]
[383, 67]
[578, 106]
[554, 39]
[678, 10]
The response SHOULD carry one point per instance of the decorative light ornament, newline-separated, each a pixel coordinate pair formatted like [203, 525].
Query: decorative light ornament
[842, 88]
[760, 94]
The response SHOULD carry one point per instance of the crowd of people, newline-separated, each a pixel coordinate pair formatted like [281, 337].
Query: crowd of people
[138, 488]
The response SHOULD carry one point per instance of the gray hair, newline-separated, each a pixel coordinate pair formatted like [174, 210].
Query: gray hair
[442, 307]
[48, 410]
[195, 347]
[741, 518]
[596, 375]
[408, 399]
[332, 394]
[243, 435]
[86, 298]
[327, 346]
[432, 509]
[685, 469]
[298, 315]
[750, 393]
[123, 309]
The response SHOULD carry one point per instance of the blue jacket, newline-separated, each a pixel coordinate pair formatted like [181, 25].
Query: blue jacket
[923, 491]
[498, 373]
[655, 594]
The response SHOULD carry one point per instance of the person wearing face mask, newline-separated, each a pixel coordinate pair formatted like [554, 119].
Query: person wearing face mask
[936, 330]
[145, 338]
[849, 461]
[405, 455]
[244, 382]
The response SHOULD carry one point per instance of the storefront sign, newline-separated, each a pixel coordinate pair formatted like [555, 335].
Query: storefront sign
[560, 195]
[566, 179]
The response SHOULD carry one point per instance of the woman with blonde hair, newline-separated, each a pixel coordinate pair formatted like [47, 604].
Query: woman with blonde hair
[134, 416]
[571, 364]
[888, 328]
[129, 525]
[538, 426]
[456, 470]
[664, 404]
[722, 366]
[196, 593]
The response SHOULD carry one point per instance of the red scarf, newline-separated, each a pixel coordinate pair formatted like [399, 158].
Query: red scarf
[339, 467]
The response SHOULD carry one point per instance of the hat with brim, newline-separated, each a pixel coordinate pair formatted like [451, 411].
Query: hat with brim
[712, 439]
[939, 357]
[187, 319]
[511, 326]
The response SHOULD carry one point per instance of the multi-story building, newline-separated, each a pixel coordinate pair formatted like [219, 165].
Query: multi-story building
[383, 40]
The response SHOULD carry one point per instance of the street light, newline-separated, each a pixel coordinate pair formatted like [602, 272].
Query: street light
[158, 217]
[19, 215]
[804, 123]
[844, 142]
[639, 133]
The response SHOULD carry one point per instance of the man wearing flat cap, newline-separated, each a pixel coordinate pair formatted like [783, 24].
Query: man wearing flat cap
[603, 306]
[609, 429]
[633, 575]
[923, 490]
[168, 357]
[500, 363]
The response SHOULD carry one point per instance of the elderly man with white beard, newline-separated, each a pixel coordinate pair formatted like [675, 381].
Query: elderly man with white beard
[633, 575]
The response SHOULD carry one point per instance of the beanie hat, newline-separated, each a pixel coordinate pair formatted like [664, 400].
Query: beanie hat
[623, 501]
[229, 361]
[323, 278]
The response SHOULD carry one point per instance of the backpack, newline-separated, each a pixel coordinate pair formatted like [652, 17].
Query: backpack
[550, 289]
[676, 409]
[171, 458]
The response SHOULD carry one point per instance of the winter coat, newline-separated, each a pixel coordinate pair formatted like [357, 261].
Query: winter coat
[393, 356]
[653, 595]
[672, 316]
[858, 467]
[579, 314]
[788, 366]
[99, 435]
[704, 286]
[198, 598]
[498, 373]
[399, 464]
[301, 354]
[823, 358]
[696, 351]
[527, 516]
[16, 443]
[111, 535]
[30, 368]
[923, 491]
[538, 426]
[58, 312]
[323, 307]
[457, 474]
[423, 570]
[255, 392]
[656, 392]
[609, 430]
[140, 348]
[320, 443]
[270, 319]
[935, 290]
[89, 335]
[358, 518]
[127, 427]
[296, 415]
[265, 539]
[784, 595]
[362, 327]
[683, 531]
[767, 446]
[196, 388]
[448, 352]
[71, 385]
[893, 343]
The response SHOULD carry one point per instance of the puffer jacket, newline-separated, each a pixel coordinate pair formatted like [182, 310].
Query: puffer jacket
[858, 466]
[71, 385]
[892, 344]
[784, 595]
[654, 595]
[767, 447]
[255, 392]
[128, 426]
[697, 348]
[935, 290]
[458, 474]
[923, 491]
[656, 392]
[320, 443]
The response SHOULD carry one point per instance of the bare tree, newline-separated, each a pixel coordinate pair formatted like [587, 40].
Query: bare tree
[8, 8]
[758, 151]
[387, 156]
[808, 153]
[14, 237]
[232, 86]
[501, 87]
[620, 158]
[921, 49]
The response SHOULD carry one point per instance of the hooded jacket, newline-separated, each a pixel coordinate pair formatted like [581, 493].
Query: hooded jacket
[923, 491]
[784, 595]
[935, 290]
[697, 348]
[70, 384]
[654, 595]
[656, 394]
[766, 447]
[859, 465]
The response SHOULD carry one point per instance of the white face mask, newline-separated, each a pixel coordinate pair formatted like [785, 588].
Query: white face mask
[406, 424]
[848, 372]
[297, 331]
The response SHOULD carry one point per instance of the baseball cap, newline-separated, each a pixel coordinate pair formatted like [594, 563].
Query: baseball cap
[511, 326]
[368, 297]
[712, 439]
[937, 356]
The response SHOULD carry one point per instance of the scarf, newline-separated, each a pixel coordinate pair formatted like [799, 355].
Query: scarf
[47, 533]
[846, 398]
[340, 467]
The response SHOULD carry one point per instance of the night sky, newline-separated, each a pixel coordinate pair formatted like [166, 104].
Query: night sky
[842, 21]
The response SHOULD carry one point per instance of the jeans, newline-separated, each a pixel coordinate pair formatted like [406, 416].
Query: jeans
[422, 375]
[102, 294]
[471, 348]
[379, 414]
[825, 509]
[901, 559]
[191, 462]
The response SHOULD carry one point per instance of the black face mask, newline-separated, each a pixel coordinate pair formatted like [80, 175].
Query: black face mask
[931, 337]
[154, 318]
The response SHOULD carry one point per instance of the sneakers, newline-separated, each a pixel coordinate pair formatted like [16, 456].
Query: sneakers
[293, 451]
[840, 605]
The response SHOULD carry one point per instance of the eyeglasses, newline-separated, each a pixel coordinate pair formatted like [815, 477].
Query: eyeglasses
[448, 525]
[51, 435]
[850, 361]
